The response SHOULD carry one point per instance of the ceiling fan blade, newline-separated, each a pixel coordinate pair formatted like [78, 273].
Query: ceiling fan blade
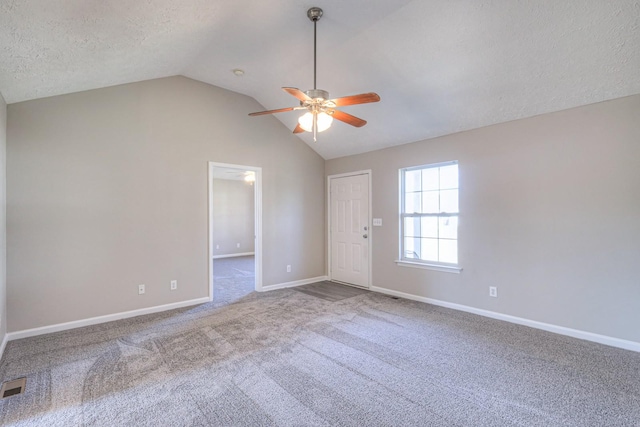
[363, 98]
[297, 93]
[281, 110]
[298, 129]
[348, 118]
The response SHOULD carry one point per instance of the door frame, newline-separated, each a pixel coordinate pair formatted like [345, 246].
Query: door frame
[369, 174]
[257, 218]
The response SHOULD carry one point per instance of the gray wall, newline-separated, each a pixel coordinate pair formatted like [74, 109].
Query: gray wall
[233, 217]
[550, 214]
[3, 219]
[107, 189]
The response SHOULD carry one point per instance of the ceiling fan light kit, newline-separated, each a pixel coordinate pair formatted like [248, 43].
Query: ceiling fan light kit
[320, 110]
[323, 121]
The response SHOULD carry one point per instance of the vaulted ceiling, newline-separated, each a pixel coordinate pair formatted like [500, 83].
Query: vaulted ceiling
[440, 66]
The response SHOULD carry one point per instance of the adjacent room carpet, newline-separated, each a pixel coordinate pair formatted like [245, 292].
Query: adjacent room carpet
[295, 358]
[233, 278]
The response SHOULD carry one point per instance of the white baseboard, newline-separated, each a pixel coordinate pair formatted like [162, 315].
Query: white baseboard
[294, 283]
[575, 333]
[233, 255]
[101, 319]
[5, 339]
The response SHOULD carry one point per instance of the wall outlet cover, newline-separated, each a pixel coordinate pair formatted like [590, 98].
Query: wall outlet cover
[377, 222]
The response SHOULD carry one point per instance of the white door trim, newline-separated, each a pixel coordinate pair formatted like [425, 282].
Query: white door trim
[257, 219]
[342, 175]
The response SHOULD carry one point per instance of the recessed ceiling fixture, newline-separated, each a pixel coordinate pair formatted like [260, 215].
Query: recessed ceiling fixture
[238, 72]
[320, 109]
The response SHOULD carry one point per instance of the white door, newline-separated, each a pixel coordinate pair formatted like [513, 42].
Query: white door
[349, 232]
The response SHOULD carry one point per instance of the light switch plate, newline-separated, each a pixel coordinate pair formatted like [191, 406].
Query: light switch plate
[377, 222]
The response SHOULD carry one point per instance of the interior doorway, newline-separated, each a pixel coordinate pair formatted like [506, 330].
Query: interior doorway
[235, 230]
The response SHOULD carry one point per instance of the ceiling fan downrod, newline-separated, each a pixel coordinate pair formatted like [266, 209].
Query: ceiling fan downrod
[314, 14]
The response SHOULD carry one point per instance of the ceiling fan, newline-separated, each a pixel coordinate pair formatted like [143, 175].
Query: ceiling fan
[320, 109]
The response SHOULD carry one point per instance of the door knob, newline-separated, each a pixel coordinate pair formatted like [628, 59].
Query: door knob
[365, 235]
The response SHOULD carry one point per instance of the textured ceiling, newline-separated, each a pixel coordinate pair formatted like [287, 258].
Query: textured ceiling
[440, 66]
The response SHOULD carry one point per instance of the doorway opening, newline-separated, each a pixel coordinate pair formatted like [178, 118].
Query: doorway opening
[235, 231]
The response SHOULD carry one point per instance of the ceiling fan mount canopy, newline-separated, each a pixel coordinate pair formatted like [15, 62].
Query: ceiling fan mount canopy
[314, 14]
[320, 109]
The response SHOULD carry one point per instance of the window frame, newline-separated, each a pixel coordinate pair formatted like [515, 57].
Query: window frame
[417, 263]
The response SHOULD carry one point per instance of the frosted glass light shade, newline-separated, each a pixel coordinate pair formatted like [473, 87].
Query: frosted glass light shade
[324, 121]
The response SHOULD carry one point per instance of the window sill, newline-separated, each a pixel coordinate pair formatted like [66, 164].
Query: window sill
[435, 267]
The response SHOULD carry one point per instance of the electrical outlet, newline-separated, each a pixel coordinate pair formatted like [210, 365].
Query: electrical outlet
[237, 245]
[493, 291]
[288, 269]
[217, 246]
[140, 289]
[377, 222]
[174, 285]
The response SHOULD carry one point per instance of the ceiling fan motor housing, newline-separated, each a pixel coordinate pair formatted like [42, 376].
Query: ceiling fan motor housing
[319, 102]
[317, 93]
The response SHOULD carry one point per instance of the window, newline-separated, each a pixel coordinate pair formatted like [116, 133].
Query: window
[429, 214]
